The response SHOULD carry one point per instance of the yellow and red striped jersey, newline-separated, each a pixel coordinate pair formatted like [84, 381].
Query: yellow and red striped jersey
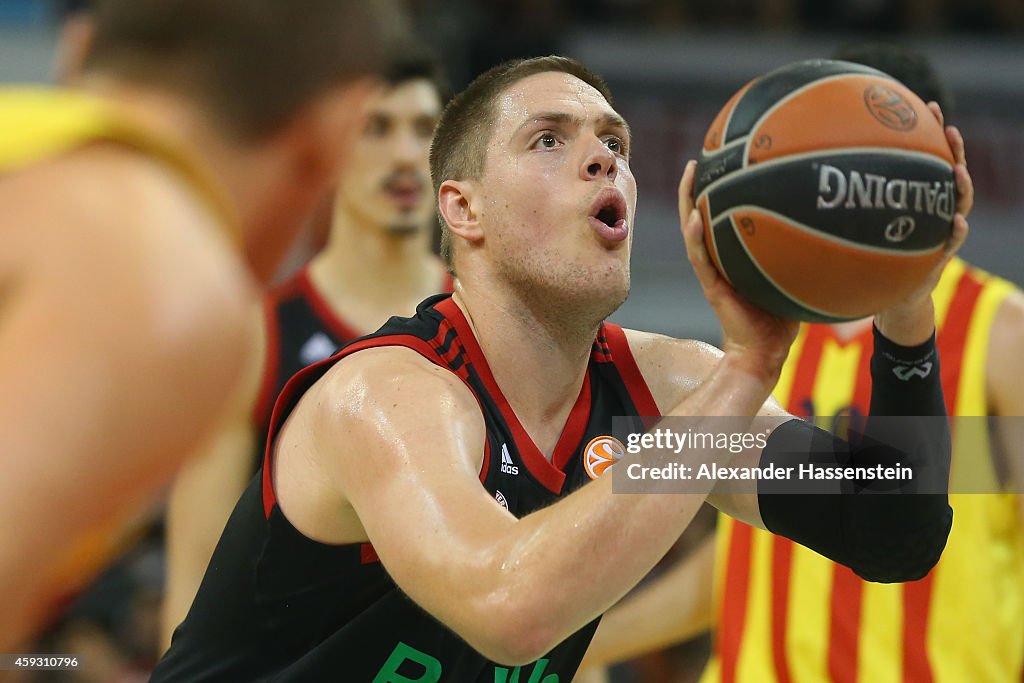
[788, 615]
[38, 123]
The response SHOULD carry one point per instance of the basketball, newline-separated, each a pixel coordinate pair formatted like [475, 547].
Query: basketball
[827, 191]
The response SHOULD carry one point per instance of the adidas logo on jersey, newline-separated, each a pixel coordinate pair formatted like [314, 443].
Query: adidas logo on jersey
[507, 467]
[316, 348]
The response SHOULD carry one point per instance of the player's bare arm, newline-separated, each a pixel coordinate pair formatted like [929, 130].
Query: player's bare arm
[97, 313]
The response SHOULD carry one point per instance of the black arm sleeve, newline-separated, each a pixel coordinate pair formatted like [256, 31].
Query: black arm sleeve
[885, 531]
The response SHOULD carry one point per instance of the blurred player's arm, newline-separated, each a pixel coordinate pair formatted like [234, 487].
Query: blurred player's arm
[674, 607]
[202, 497]
[1004, 370]
[122, 338]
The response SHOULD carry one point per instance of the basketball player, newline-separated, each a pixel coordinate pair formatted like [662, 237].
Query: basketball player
[377, 263]
[787, 614]
[140, 210]
[421, 514]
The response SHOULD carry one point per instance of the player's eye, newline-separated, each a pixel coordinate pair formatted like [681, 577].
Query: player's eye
[425, 127]
[547, 141]
[616, 144]
[377, 127]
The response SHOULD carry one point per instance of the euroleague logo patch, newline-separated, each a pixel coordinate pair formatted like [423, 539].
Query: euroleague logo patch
[601, 453]
[890, 108]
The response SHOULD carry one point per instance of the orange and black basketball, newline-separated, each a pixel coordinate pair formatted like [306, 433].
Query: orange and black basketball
[826, 190]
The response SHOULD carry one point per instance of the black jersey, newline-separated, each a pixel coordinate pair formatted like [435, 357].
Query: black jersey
[301, 329]
[276, 605]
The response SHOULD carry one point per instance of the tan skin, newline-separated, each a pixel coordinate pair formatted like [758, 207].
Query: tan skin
[669, 610]
[110, 286]
[365, 458]
[377, 263]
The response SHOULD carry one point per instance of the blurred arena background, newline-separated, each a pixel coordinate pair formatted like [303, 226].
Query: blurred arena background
[672, 64]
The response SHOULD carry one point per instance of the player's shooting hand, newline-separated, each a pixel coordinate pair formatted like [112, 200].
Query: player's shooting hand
[746, 329]
[912, 321]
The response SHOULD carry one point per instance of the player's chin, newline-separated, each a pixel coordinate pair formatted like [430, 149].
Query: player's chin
[403, 226]
[610, 282]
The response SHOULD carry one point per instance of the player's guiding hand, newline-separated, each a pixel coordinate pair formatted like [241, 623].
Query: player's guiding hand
[912, 321]
[747, 331]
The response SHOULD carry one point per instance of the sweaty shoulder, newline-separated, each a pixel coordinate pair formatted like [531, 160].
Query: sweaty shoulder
[672, 368]
[376, 415]
[398, 374]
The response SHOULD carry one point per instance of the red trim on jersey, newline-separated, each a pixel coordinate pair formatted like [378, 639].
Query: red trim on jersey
[575, 426]
[845, 604]
[782, 567]
[485, 466]
[367, 554]
[806, 371]
[454, 349]
[625, 363]
[734, 606]
[917, 603]
[953, 336]
[543, 470]
[305, 378]
[265, 398]
[844, 626]
[341, 330]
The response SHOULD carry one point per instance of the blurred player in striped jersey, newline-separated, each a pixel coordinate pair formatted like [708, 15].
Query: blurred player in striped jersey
[141, 209]
[787, 614]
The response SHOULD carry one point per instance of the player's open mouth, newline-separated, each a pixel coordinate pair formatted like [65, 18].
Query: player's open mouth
[405, 192]
[608, 215]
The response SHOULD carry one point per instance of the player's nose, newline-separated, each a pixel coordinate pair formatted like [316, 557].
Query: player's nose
[407, 147]
[599, 163]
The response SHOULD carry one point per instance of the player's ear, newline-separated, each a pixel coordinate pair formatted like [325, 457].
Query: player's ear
[457, 203]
